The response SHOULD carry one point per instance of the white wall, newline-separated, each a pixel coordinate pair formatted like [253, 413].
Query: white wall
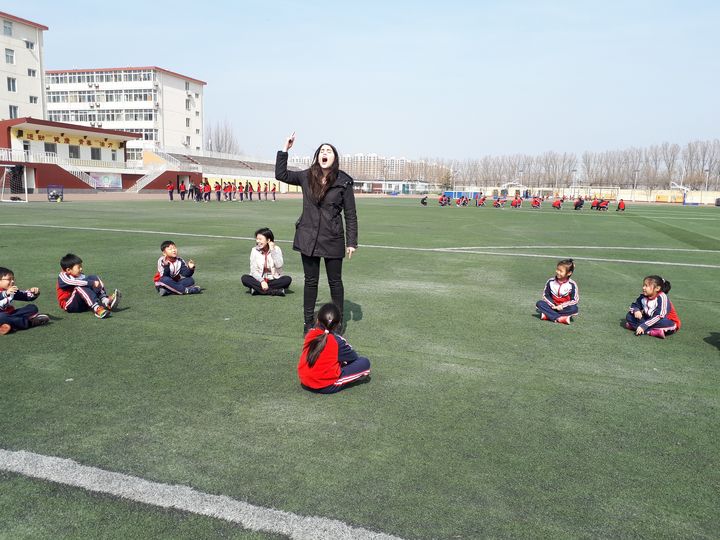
[173, 112]
[24, 59]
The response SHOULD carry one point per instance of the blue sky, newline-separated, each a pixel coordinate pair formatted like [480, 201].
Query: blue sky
[449, 78]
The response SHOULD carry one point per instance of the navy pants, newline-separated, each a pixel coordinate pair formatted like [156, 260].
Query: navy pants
[553, 314]
[85, 298]
[282, 282]
[175, 287]
[663, 324]
[349, 375]
[20, 318]
[333, 268]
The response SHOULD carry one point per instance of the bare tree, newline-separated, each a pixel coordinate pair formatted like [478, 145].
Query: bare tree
[221, 138]
[670, 153]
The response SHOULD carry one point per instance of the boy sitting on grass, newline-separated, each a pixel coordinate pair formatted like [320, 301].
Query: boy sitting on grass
[174, 275]
[77, 292]
[24, 317]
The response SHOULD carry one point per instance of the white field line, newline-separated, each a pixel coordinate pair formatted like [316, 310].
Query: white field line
[254, 518]
[609, 248]
[371, 246]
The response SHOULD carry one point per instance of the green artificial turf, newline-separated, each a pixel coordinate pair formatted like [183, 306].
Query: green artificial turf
[480, 420]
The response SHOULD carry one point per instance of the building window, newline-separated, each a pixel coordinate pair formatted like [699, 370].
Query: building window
[51, 148]
[197, 113]
[197, 131]
[187, 86]
[74, 151]
[134, 154]
[113, 155]
[187, 122]
[32, 73]
[13, 111]
[7, 28]
[187, 104]
[12, 84]
[33, 99]
[95, 154]
[197, 95]
[9, 56]
[187, 140]
[30, 45]
[26, 146]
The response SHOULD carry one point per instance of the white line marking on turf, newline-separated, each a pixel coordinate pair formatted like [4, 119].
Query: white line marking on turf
[609, 248]
[255, 518]
[598, 259]
[397, 248]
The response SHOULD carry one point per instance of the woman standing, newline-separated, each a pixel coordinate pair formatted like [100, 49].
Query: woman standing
[327, 193]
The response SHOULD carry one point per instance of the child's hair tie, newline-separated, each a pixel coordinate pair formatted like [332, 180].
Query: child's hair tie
[327, 331]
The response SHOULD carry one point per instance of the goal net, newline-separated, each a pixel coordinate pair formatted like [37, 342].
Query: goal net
[13, 185]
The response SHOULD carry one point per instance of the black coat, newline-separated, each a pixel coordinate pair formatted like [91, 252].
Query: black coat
[319, 230]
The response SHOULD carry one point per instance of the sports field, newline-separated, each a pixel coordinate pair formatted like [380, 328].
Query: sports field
[481, 420]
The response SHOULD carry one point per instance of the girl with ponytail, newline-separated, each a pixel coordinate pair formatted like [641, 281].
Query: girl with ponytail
[653, 313]
[560, 298]
[328, 363]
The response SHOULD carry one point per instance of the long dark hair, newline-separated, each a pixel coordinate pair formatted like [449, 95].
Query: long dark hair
[315, 174]
[328, 318]
[660, 282]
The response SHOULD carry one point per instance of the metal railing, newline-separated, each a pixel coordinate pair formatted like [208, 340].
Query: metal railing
[97, 163]
[149, 177]
[8, 154]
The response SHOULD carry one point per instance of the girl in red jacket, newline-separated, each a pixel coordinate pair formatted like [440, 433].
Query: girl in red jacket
[328, 363]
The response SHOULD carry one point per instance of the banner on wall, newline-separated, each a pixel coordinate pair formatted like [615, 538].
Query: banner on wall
[107, 180]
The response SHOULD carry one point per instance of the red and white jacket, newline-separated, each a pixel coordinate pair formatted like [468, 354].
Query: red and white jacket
[654, 309]
[6, 300]
[176, 270]
[561, 293]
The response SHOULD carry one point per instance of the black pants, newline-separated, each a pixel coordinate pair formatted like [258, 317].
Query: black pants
[333, 269]
[282, 282]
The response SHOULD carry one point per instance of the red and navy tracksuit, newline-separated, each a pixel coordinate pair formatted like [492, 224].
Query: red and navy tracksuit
[76, 294]
[337, 366]
[174, 276]
[562, 293]
[656, 312]
[18, 319]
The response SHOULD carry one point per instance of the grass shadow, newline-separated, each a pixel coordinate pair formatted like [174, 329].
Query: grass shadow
[713, 339]
[353, 311]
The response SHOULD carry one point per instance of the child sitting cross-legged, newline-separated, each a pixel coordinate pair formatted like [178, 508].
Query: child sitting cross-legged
[174, 275]
[653, 313]
[328, 363]
[20, 318]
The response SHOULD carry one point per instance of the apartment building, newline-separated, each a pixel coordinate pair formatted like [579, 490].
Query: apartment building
[163, 107]
[21, 68]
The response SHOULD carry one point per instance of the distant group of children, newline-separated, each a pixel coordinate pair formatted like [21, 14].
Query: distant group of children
[652, 313]
[224, 191]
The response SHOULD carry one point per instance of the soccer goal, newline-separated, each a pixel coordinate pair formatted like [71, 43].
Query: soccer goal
[13, 183]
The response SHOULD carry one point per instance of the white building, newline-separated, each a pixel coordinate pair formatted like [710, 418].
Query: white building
[21, 87]
[164, 107]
